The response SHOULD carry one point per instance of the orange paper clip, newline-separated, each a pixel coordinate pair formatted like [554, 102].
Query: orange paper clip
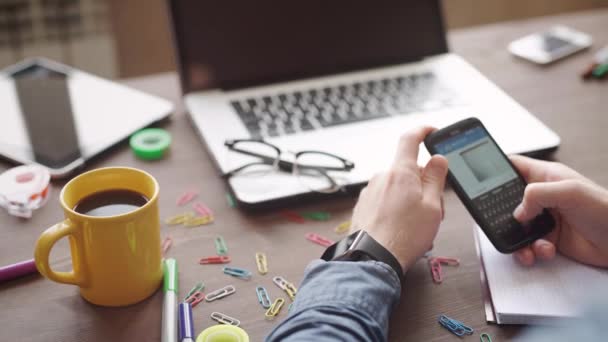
[195, 298]
[215, 260]
[318, 239]
[186, 197]
[166, 245]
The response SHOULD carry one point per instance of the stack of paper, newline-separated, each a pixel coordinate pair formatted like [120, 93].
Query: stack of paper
[534, 295]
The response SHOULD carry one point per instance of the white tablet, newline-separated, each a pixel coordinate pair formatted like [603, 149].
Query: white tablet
[60, 117]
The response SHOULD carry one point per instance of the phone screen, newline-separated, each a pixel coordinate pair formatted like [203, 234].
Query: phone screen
[490, 187]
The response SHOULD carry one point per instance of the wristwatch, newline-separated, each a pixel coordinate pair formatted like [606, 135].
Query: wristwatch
[360, 246]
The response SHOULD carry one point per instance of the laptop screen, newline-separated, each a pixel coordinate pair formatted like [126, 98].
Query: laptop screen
[224, 45]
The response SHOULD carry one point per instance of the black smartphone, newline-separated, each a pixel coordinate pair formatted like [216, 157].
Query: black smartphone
[487, 183]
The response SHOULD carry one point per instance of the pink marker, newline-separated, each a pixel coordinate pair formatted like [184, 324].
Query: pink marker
[17, 270]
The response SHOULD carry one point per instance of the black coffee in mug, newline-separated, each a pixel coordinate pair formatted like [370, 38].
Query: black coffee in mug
[110, 203]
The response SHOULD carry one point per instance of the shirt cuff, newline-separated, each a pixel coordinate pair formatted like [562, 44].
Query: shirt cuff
[370, 287]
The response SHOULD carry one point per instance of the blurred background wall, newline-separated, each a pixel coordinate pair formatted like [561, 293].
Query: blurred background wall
[126, 38]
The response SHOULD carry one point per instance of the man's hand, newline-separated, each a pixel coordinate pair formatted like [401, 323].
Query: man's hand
[402, 208]
[579, 206]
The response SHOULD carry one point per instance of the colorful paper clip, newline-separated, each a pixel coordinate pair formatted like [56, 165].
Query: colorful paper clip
[286, 286]
[290, 294]
[186, 197]
[436, 269]
[202, 209]
[261, 262]
[166, 245]
[198, 221]
[448, 261]
[224, 319]
[293, 216]
[195, 298]
[455, 327]
[221, 293]
[289, 307]
[223, 259]
[484, 337]
[275, 308]
[231, 201]
[342, 227]
[318, 239]
[196, 288]
[280, 282]
[179, 218]
[237, 272]
[291, 290]
[263, 297]
[220, 246]
[317, 215]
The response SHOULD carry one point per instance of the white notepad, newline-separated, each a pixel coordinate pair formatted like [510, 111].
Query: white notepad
[536, 295]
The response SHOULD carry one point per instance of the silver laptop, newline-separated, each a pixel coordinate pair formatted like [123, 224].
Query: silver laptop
[345, 78]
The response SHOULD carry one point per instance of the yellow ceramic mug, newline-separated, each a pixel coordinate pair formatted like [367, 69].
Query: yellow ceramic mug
[116, 259]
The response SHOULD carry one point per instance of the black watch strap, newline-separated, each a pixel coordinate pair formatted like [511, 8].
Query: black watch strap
[358, 246]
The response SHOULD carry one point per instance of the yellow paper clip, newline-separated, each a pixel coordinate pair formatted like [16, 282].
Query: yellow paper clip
[198, 221]
[291, 290]
[342, 227]
[291, 287]
[179, 218]
[290, 293]
[275, 308]
[260, 260]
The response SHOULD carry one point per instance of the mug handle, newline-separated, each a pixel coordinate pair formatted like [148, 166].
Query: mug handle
[45, 243]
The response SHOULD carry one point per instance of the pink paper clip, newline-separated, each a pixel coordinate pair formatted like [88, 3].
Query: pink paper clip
[195, 298]
[436, 271]
[166, 245]
[293, 216]
[448, 261]
[214, 260]
[186, 197]
[202, 209]
[318, 239]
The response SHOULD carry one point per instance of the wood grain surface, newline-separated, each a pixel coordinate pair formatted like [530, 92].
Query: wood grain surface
[35, 309]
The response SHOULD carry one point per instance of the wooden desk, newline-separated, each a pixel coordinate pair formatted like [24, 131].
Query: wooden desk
[34, 309]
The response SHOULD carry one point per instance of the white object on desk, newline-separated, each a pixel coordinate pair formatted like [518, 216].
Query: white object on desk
[542, 294]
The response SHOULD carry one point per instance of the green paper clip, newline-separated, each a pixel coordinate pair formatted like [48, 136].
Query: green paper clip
[220, 246]
[317, 215]
[485, 338]
[230, 201]
[197, 287]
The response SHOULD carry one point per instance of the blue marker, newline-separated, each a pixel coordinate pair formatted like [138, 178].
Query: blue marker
[186, 327]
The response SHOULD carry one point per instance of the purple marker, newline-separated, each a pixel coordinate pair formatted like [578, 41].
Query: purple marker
[17, 270]
[186, 327]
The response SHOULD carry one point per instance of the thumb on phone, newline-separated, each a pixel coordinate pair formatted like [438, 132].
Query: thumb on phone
[539, 196]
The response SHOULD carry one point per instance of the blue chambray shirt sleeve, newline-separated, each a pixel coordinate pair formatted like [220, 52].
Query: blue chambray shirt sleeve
[341, 301]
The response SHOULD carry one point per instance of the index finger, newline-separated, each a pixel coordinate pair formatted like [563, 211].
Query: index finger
[407, 151]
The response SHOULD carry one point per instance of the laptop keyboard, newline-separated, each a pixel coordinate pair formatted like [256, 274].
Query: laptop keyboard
[293, 112]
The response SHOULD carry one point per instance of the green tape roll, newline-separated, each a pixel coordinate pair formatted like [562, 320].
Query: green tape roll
[150, 143]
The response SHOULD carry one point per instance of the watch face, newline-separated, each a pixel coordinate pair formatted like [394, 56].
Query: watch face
[341, 247]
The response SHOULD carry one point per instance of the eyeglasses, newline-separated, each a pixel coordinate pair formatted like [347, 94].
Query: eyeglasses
[312, 168]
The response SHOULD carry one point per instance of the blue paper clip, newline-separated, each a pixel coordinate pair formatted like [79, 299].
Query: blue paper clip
[237, 272]
[263, 297]
[455, 327]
